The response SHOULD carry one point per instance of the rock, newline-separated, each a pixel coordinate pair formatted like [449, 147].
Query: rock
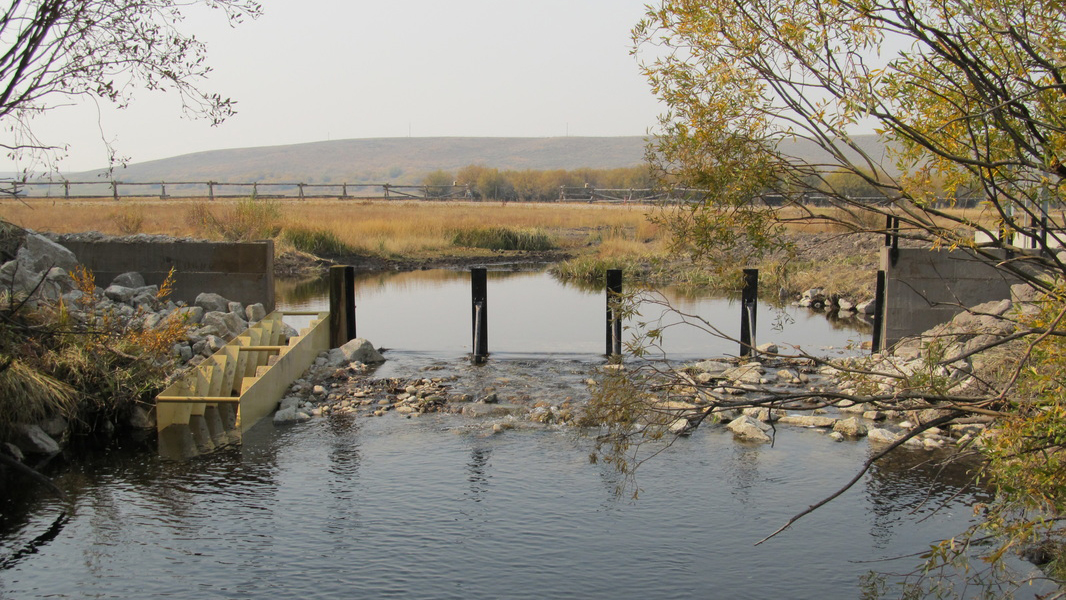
[845, 305]
[807, 421]
[13, 451]
[715, 368]
[16, 278]
[767, 348]
[192, 315]
[478, 410]
[866, 308]
[56, 427]
[31, 439]
[681, 427]
[357, 350]
[38, 254]
[57, 282]
[229, 325]
[141, 418]
[762, 413]
[290, 415]
[850, 427]
[255, 312]
[813, 298]
[747, 428]
[877, 434]
[750, 373]
[289, 402]
[131, 279]
[212, 302]
[836, 436]
[492, 398]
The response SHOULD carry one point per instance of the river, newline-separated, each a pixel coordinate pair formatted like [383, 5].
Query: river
[441, 506]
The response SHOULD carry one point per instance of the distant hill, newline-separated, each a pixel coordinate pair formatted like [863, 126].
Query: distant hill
[383, 160]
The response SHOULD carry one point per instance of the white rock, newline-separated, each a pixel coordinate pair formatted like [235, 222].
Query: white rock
[807, 421]
[357, 350]
[290, 415]
[877, 434]
[850, 427]
[747, 428]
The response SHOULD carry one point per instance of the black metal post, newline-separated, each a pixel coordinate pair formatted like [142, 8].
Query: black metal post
[479, 312]
[341, 305]
[349, 304]
[614, 319]
[879, 313]
[749, 301]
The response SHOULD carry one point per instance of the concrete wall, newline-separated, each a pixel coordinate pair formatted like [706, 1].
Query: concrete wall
[239, 271]
[924, 288]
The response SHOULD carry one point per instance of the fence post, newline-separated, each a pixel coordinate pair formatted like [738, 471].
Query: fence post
[114, 189]
[749, 301]
[301, 186]
[341, 305]
[66, 190]
[614, 319]
[879, 313]
[480, 312]
[211, 190]
[163, 191]
[344, 191]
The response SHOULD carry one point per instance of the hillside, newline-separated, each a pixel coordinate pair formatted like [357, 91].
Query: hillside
[384, 160]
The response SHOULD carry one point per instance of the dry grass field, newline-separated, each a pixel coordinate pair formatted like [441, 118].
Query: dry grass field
[386, 228]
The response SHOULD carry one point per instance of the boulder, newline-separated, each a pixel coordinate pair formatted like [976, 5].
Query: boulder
[130, 279]
[192, 315]
[141, 418]
[850, 427]
[31, 439]
[212, 302]
[747, 428]
[15, 277]
[877, 434]
[118, 293]
[751, 373]
[357, 350]
[290, 415]
[229, 325]
[255, 312]
[767, 348]
[807, 421]
[38, 254]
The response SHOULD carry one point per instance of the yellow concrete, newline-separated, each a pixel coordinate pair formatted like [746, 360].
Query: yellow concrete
[252, 373]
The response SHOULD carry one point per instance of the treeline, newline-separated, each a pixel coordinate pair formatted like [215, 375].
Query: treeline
[531, 185]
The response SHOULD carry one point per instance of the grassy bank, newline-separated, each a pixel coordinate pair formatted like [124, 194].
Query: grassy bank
[597, 236]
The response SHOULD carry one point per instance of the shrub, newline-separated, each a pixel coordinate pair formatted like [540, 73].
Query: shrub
[250, 219]
[319, 242]
[503, 238]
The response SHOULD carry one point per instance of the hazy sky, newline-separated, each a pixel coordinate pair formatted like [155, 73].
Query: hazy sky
[311, 70]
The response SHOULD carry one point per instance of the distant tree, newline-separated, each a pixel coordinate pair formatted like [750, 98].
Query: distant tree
[438, 183]
[492, 185]
[59, 50]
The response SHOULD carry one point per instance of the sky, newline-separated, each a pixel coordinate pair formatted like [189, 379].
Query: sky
[313, 70]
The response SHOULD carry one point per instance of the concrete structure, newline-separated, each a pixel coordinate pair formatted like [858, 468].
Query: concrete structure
[924, 288]
[239, 271]
[224, 396]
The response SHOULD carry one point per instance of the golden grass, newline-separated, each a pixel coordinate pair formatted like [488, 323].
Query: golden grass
[405, 228]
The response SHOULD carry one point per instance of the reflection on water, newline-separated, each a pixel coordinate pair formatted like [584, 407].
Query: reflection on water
[533, 312]
[439, 507]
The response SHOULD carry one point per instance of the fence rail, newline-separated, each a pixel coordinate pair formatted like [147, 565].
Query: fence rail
[212, 190]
